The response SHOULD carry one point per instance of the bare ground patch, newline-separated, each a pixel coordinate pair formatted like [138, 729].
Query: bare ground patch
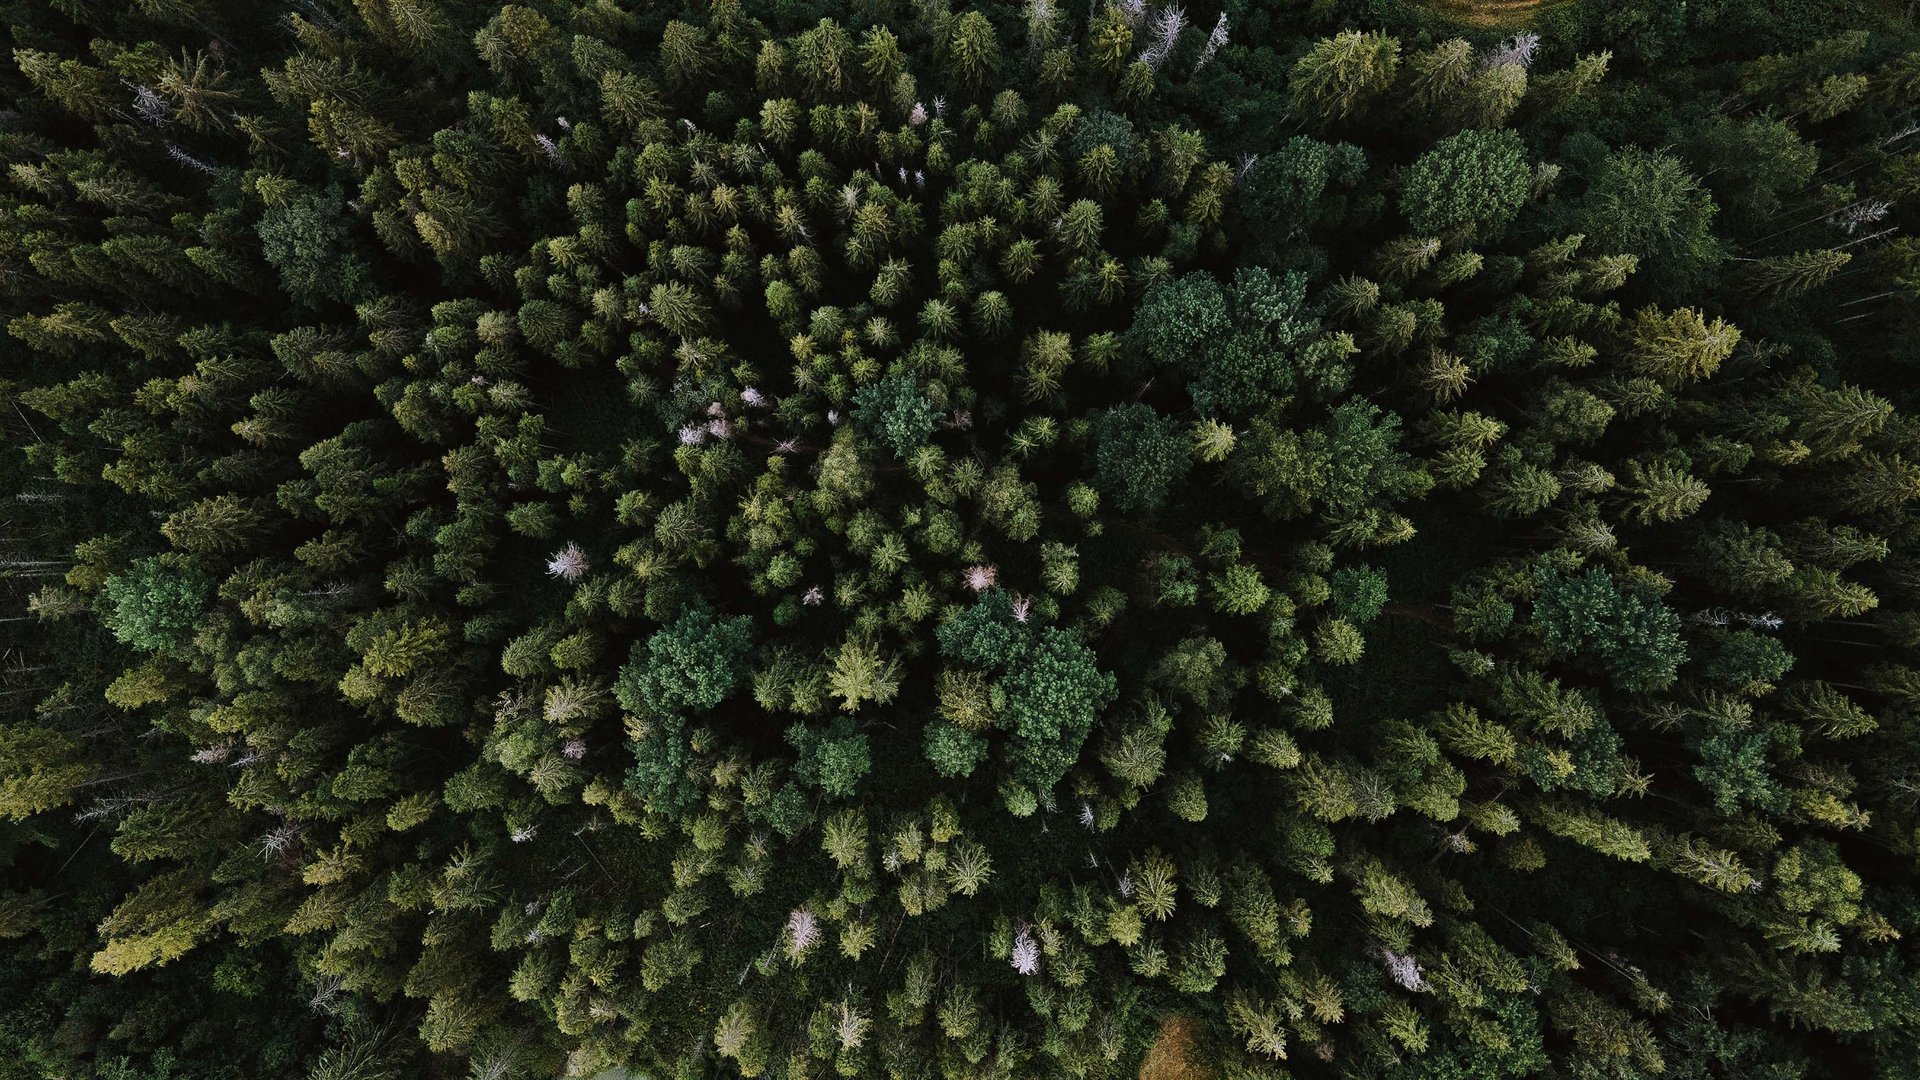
[1175, 1054]
[1490, 12]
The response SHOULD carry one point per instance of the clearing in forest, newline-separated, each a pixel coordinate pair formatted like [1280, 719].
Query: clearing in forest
[1490, 12]
[1173, 1055]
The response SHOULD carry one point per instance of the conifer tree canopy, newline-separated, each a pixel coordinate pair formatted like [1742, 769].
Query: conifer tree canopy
[903, 540]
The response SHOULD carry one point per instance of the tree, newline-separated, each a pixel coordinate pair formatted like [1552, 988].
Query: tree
[1238, 590]
[737, 1037]
[1785, 277]
[861, 673]
[953, 750]
[1745, 661]
[305, 238]
[1828, 712]
[156, 604]
[217, 525]
[1342, 75]
[1199, 963]
[975, 51]
[1348, 468]
[1629, 633]
[684, 52]
[1750, 162]
[1179, 319]
[1050, 684]
[1472, 183]
[1836, 422]
[833, 759]
[1139, 456]
[1645, 203]
[39, 770]
[1292, 185]
[157, 923]
[896, 411]
[1660, 490]
[1359, 592]
[1054, 694]
[1240, 347]
[691, 665]
[1880, 483]
[1338, 642]
[1735, 767]
[1679, 346]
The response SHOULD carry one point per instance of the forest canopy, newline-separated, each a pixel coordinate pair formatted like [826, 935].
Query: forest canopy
[581, 538]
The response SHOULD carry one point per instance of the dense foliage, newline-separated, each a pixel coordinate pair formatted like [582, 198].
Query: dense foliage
[586, 538]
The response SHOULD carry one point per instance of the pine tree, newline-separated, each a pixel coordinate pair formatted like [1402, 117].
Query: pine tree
[975, 51]
[1661, 491]
[1785, 277]
[1342, 75]
[1679, 346]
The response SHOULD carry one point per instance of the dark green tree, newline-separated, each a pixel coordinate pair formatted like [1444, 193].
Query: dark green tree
[1139, 457]
[156, 603]
[1628, 632]
[1473, 183]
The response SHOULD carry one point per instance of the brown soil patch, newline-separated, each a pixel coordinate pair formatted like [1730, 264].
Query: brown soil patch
[1173, 1055]
[1489, 12]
